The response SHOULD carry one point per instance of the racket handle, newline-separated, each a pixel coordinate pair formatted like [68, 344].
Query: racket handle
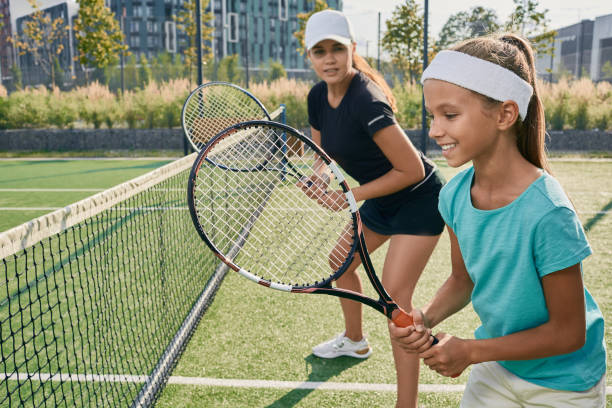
[402, 319]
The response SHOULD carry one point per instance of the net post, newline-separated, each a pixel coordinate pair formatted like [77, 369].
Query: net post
[283, 118]
[283, 113]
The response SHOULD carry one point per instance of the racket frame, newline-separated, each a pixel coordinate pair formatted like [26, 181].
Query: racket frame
[197, 92]
[384, 304]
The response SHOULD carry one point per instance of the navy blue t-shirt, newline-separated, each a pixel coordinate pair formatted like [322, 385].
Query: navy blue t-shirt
[347, 133]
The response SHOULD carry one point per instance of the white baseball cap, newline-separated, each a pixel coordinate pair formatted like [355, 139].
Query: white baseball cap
[328, 25]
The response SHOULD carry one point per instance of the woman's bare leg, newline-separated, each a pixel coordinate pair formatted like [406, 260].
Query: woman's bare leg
[404, 263]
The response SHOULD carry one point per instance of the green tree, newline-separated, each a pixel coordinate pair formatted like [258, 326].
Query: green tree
[186, 22]
[17, 77]
[99, 37]
[58, 73]
[533, 24]
[277, 70]
[403, 39]
[319, 5]
[229, 69]
[460, 26]
[145, 75]
[606, 70]
[42, 38]
[131, 73]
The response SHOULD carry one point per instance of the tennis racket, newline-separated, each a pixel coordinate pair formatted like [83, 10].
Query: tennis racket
[286, 223]
[214, 106]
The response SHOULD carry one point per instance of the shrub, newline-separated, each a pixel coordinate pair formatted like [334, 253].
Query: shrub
[581, 115]
[28, 109]
[4, 105]
[602, 117]
[558, 116]
[408, 98]
[96, 103]
[291, 93]
[62, 113]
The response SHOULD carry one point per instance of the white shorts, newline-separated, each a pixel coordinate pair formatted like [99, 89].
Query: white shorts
[491, 385]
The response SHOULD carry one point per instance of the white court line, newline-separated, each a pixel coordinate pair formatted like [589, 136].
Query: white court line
[308, 385]
[228, 382]
[238, 383]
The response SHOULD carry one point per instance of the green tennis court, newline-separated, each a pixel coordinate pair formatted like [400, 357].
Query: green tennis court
[252, 346]
[31, 188]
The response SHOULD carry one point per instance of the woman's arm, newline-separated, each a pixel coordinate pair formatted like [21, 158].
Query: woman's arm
[322, 170]
[404, 157]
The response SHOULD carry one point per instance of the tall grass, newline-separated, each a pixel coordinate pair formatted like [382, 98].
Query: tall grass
[578, 104]
[293, 94]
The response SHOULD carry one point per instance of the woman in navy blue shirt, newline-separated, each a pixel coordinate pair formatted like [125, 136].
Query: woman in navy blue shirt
[351, 116]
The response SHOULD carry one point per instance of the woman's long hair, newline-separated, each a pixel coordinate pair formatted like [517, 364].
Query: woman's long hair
[516, 54]
[360, 64]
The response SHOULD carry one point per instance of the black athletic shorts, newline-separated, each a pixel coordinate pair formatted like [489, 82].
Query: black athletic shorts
[417, 215]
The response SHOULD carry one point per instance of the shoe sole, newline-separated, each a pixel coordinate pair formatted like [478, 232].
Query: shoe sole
[362, 354]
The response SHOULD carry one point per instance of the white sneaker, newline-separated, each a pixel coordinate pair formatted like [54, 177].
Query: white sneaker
[343, 346]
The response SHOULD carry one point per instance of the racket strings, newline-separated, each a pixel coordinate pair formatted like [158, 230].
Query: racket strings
[288, 237]
[215, 108]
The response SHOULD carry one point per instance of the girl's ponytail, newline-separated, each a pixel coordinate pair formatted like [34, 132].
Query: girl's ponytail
[360, 64]
[516, 54]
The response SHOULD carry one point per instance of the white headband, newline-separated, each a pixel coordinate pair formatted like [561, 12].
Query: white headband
[480, 76]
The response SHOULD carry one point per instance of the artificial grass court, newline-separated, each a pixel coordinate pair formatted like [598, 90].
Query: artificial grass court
[253, 333]
[31, 188]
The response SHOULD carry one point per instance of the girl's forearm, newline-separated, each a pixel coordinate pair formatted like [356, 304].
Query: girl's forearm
[452, 296]
[542, 341]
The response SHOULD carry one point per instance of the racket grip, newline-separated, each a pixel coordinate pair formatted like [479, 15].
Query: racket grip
[402, 319]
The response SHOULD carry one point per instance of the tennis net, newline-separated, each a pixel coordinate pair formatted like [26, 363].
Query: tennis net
[98, 299]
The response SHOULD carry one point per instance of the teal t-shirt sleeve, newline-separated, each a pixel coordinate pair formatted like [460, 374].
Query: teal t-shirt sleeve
[443, 204]
[560, 241]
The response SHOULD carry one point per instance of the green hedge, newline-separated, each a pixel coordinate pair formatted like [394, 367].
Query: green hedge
[579, 104]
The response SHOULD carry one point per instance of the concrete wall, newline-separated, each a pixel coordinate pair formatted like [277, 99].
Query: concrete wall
[172, 139]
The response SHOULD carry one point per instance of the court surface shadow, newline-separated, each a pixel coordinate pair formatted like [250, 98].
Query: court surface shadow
[319, 370]
[595, 219]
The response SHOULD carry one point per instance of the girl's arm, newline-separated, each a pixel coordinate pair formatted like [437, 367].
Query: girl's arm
[452, 296]
[407, 166]
[564, 332]
[455, 293]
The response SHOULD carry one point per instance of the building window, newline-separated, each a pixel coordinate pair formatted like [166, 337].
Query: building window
[170, 36]
[283, 10]
[605, 58]
[233, 27]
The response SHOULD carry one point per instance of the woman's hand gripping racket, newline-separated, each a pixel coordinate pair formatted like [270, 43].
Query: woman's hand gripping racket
[287, 223]
[215, 106]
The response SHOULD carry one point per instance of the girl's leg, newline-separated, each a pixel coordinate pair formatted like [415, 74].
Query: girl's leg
[405, 261]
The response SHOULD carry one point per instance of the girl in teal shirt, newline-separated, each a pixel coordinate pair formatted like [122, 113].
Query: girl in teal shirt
[516, 242]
